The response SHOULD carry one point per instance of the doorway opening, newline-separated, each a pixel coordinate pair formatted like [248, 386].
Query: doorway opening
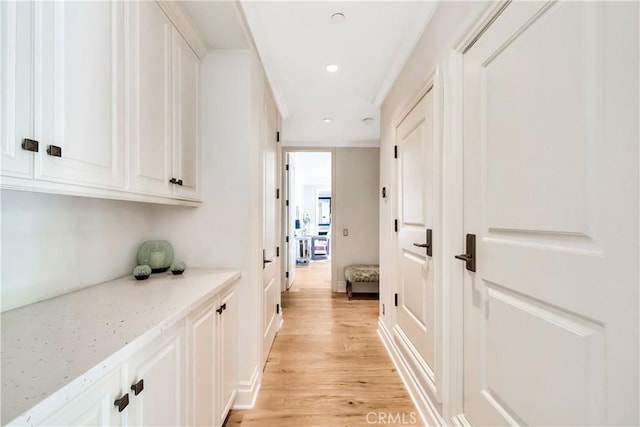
[309, 218]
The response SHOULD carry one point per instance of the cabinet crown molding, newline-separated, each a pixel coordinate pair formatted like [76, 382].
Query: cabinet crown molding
[185, 26]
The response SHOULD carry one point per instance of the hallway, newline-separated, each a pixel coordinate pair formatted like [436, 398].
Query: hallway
[327, 366]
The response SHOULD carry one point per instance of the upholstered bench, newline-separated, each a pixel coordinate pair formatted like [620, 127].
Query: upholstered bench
[360, 273]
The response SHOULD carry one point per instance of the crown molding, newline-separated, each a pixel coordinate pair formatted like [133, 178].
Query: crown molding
[414, 33]
[185, 26]
[257, 36]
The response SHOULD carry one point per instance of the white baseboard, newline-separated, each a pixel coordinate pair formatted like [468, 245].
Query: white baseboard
[248, 391]
[428, 413]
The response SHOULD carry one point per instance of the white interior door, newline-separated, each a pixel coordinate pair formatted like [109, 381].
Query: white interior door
[551, 193]
[291, 220]
[417, 204]
[271, 270]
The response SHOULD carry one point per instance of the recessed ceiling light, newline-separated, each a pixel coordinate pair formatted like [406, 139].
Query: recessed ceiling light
[337, 18]
[327, 120]
[367, 120]
[332, 68]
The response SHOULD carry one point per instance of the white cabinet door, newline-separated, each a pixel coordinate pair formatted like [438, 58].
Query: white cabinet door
[79, 70]
[94, 407]
[151, 116]
[16, 87]
[161, 368]
[202, 376]
[227, 353]
[551, 194]
[186, 145]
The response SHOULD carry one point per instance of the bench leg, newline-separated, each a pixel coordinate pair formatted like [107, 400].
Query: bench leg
[349, 290]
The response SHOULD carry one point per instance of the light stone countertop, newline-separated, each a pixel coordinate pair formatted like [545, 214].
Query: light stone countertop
[54, 349]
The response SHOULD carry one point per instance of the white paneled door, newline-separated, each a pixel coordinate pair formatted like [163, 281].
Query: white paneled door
[417, 206]
[292, 248]
[271, 260]
[551, 194]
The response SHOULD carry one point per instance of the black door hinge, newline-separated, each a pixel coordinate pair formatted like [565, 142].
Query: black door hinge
[286, 275]
[277, 193]
[395, 298]
[395, 225]
[395, 151]
[286, 239]
[286, 203]
[286, 167]
[277, 136]
[277, 308]
[277, 250]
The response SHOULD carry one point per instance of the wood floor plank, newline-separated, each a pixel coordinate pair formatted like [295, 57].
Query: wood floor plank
[327, 366]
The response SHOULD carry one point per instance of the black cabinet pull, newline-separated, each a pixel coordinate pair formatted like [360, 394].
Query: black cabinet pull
[122, 403]
[219, 310]
[30, 145]
[173, 181]
[138, 387]
[54, 150]
[223, 306]
[179, 182]
[470, 256]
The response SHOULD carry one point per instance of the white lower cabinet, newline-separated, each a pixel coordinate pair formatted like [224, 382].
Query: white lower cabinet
[186, 376]
[212, 336]
[94, 407]
[156, 382]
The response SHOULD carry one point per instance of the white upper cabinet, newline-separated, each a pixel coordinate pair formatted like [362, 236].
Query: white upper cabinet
[79, 117]
[186, 148]
[151, 119]
[100, 99]
[16, 88]
[164, 76]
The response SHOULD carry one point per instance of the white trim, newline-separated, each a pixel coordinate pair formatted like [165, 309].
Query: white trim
[413, 35]
[368, 143]
[185, 26]
[453, 235]
[480, 24]
[460, 421]
[247, 392]
[283, 157]
[41, 186]
[425, 408]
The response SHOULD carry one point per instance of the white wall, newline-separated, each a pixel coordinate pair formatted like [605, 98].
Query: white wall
[355, 207]
[448, 24]
[53, 244]
[226, 230]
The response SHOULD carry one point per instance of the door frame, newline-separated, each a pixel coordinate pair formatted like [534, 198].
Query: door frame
[283, 179]
[453, 205]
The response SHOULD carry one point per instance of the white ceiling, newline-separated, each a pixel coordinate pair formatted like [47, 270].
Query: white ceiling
[297, 39]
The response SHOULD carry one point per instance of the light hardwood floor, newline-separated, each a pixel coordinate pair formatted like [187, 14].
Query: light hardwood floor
[328, 367]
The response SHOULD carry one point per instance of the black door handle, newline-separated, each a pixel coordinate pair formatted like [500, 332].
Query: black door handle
[470, 256]
[428, 244]
[122, 403]
[265, 261]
